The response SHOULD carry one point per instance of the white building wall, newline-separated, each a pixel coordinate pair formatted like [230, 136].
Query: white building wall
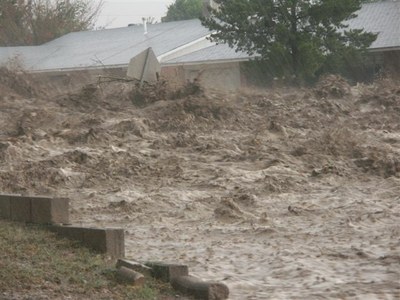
[222, 77]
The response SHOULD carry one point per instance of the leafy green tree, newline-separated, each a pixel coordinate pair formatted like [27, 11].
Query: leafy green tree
[33, 22]
[183, 10]
[295, 38]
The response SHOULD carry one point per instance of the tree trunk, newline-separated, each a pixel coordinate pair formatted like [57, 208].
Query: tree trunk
[293, 39]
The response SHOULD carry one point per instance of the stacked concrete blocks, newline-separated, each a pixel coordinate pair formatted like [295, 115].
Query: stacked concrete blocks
[55, 212]
[33, 209]
[110, 241]
[47, 210]
[5, 207]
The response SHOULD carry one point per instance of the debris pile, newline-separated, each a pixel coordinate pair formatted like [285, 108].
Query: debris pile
[258, 189]
[332, 86]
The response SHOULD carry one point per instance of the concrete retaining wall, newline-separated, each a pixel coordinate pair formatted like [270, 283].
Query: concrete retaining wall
[34, 209]
[109, 241]
[55, 212]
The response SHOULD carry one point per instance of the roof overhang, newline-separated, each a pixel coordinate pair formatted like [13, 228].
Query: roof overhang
[94, 68]
[386, 49]
[83, 68]
[205, 62]
[195, 45]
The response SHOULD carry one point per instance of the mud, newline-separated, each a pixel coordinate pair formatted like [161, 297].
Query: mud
[280, 194]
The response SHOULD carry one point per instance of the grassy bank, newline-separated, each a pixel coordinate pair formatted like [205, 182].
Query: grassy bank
[35, 264]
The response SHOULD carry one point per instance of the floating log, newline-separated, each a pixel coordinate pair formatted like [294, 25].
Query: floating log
[207, 290]
[128, 276]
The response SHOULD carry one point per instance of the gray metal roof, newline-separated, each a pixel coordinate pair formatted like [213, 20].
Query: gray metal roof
[106, 47]
[115, 47]
[214, 53]
[382, 18]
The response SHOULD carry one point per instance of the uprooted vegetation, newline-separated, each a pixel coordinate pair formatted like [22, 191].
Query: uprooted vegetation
[238, 176]
[16, 81]
[384, 92]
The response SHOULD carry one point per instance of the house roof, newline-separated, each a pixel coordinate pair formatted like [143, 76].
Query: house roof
[181, 42]
[381, 17]
[213, 53]
[110, 47]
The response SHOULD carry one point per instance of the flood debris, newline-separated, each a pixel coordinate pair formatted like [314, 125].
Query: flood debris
[245, 187]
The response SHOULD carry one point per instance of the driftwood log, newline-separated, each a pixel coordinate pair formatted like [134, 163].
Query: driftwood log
[134, 265]
[167, 272]
[129, 276]
[177, 275]
[207, 290]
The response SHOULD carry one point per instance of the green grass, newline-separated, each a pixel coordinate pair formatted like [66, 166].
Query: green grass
[35, 263]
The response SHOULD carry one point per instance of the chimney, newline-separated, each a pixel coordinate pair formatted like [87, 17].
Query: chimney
[144, 25]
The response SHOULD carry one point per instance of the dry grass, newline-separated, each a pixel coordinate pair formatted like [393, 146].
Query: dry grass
[35, 264]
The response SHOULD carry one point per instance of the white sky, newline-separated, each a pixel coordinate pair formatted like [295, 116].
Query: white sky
[120, 13]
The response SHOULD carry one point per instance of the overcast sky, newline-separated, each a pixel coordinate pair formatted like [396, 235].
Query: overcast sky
[120, 13]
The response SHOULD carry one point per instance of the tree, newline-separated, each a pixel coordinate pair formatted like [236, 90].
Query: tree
[295, 38]
[183, 10]
[33, 22]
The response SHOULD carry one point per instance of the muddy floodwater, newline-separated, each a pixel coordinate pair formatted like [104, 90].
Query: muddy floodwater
[278, 193]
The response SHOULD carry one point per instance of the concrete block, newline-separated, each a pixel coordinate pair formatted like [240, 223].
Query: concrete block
[20, 208]
[72, 233]
[167, 272]
[5, 208]
[42, 210]
[199, 289]
[46, 210]
[108, 241]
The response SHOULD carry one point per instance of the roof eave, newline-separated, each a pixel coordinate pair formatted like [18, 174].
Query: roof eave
[384, 49]
[87, 68]
[205, 62]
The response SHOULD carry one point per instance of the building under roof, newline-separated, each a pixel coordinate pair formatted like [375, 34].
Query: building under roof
[181, 43]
